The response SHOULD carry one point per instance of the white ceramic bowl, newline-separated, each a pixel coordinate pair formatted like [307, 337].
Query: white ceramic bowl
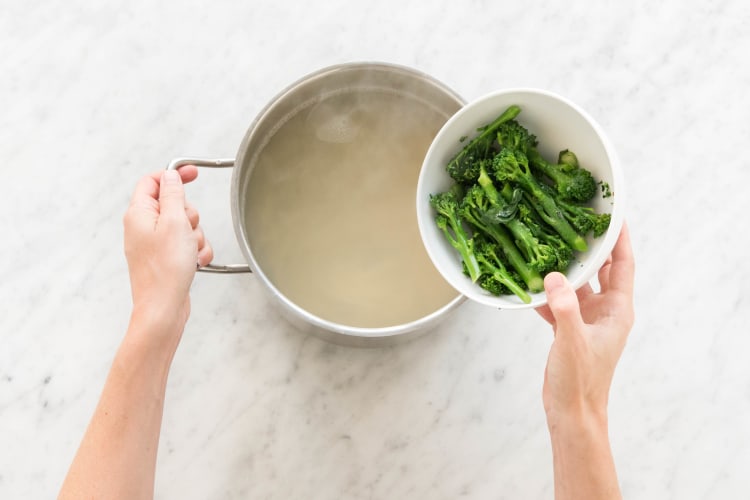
[558, 124]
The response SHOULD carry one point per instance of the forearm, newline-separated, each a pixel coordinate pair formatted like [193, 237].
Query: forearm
[117, 456]
[582, 459]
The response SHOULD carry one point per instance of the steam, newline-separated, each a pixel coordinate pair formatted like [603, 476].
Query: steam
[334, 124]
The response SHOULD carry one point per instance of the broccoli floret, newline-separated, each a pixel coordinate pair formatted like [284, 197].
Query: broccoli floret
[585, 219]
[493, 286]
[567, 157]
[464, 167]
[449, 221]
[512, 165]
[570, 180]
[512, 134]
[496, 277]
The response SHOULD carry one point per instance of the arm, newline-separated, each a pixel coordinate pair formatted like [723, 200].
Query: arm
[590, 333]
[163, 243]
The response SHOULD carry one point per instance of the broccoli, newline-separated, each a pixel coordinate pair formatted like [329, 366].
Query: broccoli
[512, 215]
[464, 167]
[512, 134]
[513, 166]
[571, 181]
[495, 276]
[474, 208]
[585, 219]
[541, 230]
[567, 157]
[538, 256]
[449, 221]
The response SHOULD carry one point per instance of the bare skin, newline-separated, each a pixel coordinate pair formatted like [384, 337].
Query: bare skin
[163, 244]
[590, 334]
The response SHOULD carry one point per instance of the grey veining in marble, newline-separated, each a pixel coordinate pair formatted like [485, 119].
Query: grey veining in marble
[95, 94]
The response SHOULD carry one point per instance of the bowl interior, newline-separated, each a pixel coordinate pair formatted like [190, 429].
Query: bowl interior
[558, 124]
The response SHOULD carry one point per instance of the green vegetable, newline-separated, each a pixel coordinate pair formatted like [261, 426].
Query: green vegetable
[571, 181]
[449, 221]
[512, 165]
[474, 210]
[512, 215]
[464, 167]
[496, 275]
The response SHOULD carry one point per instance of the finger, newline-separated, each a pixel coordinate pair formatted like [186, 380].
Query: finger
[171, 195]
[192, 214]
[143, 211]
[604, 274]
[200, 237]
[546, 314]
[188, 173]
[584, 291]
[563, 303]
[146, 192]
[622, 269]
[205, 255]
[147, 189]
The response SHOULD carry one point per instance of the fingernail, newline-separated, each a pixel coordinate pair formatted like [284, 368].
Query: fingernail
[170, 176]
[554, 282]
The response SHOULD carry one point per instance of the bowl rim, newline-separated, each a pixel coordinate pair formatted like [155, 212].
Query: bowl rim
[594, 261]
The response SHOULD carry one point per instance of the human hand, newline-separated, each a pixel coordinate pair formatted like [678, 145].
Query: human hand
[164, 245]
[590, 333]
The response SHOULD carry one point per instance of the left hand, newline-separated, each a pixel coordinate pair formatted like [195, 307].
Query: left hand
[164, 245]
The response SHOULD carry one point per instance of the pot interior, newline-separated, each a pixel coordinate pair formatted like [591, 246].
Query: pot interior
[325, 196]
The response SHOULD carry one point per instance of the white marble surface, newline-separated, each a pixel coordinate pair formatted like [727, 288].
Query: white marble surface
[94, 94]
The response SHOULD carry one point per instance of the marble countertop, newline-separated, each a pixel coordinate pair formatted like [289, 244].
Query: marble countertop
[96, 94]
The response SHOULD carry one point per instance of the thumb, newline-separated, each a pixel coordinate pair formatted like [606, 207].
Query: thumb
[563, 303]
[171, 193]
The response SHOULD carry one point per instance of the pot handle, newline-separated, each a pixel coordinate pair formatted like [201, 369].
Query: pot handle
[220, 163]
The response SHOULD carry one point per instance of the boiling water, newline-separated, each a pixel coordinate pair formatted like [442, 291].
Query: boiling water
[331, 210]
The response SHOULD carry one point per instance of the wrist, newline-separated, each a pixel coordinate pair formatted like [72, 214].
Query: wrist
[578, 421]
[582, 456]
[156, 327]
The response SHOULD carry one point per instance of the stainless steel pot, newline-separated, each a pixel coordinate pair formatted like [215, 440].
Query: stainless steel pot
[350, 77]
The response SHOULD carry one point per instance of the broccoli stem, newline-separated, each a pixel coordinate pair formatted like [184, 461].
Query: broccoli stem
[554, 216]
[530, 276]
[461, 242]
[473, 210]
[480, 145]
[548, 169]
[535, 255]
[512, 165]
[449, 221]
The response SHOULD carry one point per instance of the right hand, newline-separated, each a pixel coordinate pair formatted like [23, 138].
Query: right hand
[590, 333]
